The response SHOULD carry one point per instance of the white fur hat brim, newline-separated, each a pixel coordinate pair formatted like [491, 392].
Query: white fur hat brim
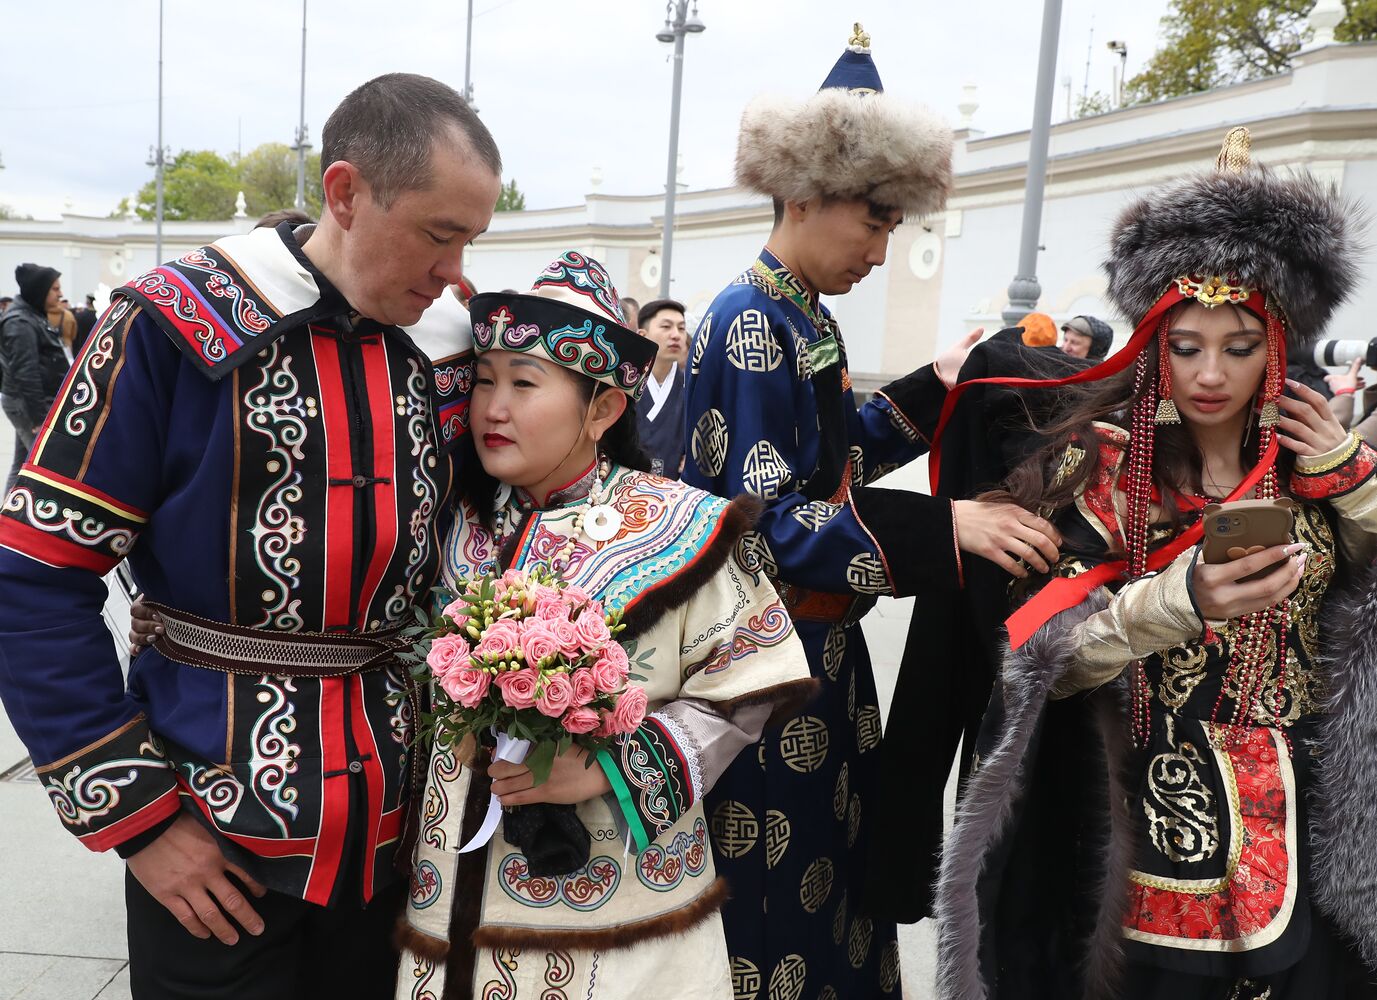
[844, 145]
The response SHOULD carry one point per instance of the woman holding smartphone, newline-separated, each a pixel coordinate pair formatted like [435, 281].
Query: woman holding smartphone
[1149, 815]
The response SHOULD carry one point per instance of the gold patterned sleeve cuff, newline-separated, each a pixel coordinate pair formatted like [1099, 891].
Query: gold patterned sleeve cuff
[1146, 616]
[1314, 465]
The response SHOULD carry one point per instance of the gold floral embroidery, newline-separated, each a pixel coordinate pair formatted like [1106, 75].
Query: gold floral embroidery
[1183, 669]
[1180, 808]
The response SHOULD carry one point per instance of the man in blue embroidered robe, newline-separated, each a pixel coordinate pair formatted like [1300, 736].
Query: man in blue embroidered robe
[770, 412]
[259, 426]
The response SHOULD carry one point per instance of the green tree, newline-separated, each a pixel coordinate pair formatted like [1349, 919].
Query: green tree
[1360, 24]
[202, 184]
[1092, 104]
[267, 176]
[197, 184]
[1210, 43]
[511, 199]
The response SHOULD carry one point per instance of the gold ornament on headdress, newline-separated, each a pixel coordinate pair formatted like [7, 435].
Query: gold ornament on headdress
[860, 41]
[1235, 156]
[1236, 153]
[1212, 290]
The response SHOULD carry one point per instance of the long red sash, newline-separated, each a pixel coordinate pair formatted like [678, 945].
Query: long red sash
[1066, 592]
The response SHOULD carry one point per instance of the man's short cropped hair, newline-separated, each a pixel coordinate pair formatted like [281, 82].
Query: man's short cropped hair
[388, 127]
[654, 306]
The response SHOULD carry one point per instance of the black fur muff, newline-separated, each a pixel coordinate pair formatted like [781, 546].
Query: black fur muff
[551, 836]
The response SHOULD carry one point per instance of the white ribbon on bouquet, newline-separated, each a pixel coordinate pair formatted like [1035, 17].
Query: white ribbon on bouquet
[513, 751]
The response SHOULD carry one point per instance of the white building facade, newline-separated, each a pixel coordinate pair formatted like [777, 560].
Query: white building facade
[945, 275]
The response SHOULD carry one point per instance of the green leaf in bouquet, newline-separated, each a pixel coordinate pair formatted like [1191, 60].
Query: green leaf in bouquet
[540, 760]
[421, 616]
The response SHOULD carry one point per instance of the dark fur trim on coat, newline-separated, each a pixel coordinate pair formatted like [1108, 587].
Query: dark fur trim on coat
[788, 698]
[1104, 963]
[1343, 821]
[989, 803]
[408, 938]
[653, 603]
[603, 939]
[1294, 237]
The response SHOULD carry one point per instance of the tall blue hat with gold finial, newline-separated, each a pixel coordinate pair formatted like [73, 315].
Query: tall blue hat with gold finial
[849, 140]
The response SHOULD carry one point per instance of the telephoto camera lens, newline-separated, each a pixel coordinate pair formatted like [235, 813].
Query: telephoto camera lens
[1341, 353]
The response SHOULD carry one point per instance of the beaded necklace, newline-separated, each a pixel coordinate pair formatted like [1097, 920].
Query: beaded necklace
[1247, 670]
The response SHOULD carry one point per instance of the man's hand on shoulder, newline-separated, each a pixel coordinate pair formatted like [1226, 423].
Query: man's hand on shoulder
[185, 871]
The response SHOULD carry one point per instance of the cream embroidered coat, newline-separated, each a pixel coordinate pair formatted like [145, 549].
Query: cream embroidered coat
[718, 657]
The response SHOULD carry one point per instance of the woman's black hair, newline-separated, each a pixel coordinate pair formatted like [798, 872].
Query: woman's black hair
[621, 444]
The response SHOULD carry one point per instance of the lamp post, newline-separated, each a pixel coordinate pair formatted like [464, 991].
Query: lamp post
[1024, 290]
[301, 145]
[1120, 49]
[679, 21]
[468, 60]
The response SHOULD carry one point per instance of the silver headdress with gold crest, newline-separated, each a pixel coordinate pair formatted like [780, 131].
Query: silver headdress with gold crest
[849, 140]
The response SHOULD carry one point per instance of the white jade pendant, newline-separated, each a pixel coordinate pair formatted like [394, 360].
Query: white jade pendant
[600, 523]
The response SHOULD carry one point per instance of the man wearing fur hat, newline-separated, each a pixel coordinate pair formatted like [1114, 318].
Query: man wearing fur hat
[770, 412]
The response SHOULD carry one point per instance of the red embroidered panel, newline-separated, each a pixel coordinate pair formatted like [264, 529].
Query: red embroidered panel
[1254, 894]
[1099, 491]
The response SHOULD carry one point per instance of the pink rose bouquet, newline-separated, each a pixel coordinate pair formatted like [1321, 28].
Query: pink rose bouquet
[522, 653]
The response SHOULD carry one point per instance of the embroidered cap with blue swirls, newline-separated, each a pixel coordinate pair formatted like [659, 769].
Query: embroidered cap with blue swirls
[571, 317]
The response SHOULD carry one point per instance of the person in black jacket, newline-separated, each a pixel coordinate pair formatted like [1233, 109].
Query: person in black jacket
[32, 362]
[660, 411]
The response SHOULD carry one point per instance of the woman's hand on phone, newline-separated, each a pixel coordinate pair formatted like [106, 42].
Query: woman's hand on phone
[1308, 427]
[1221, 593]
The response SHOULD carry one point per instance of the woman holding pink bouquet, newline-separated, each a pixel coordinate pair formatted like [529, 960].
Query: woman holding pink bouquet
[600, 613]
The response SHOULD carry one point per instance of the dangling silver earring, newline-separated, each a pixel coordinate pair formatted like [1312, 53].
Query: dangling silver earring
[602, 521]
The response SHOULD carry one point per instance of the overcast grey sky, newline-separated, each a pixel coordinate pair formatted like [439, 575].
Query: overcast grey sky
[564, 86]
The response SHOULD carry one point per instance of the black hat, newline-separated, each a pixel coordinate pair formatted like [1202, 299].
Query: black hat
[1234, 232]
[34, 283]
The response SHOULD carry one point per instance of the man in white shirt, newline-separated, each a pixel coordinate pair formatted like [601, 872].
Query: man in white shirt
[660, 410]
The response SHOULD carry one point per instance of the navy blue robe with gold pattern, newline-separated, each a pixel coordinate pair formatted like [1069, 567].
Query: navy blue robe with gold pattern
[770, 412]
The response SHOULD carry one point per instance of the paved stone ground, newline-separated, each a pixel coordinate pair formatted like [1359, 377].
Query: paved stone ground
[62, 909]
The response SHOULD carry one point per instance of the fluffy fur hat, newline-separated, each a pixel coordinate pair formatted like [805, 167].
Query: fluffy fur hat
[846, 145]
[1291, 236]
